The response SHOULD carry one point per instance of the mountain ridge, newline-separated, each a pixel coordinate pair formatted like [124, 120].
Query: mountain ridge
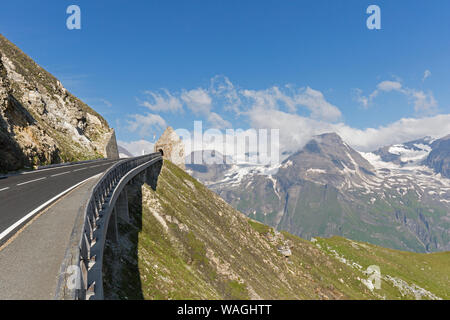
[327, 189]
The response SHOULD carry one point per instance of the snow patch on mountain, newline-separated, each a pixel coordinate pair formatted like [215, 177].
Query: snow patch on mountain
[313, 170]
[418, 153]
[238, 172]
[411, 176]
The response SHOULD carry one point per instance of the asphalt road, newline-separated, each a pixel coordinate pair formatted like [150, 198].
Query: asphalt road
[21, 194]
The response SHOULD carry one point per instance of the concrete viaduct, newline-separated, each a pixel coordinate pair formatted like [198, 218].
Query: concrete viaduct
[51, 245]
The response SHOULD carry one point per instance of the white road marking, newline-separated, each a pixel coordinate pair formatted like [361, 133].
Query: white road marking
[65, 166]
[79, 169]
[69, 165]
[4, 189]
[28, 216]
[21, 184]
[60, 174]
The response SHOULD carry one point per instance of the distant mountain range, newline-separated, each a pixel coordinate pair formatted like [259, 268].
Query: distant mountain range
[397, 196]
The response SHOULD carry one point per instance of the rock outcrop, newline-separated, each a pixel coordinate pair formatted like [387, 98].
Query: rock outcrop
[439, 157]
[42, 123]
[171, 147]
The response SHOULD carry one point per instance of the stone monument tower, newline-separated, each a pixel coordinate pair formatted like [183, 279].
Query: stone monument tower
[171, 147]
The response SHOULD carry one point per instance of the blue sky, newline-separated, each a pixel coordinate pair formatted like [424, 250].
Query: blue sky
[302, 66]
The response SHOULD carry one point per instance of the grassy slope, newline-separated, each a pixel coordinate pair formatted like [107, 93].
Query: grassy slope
[187, 243]
[321, 210]
[428, 271]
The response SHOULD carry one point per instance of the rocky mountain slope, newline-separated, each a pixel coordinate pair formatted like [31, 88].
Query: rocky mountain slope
[439, 157]
[40, 121]
[388, 197]
[185, 242]
[433, 153]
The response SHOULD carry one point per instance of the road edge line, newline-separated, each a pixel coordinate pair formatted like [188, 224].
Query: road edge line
[4, 235]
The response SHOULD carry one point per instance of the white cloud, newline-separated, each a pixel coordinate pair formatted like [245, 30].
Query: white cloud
[426, 75]
[264, 98]
[389, 86]
[296, 130]
[137, 148]
[319, 107]
[362, 100]
[106, 102]
[162, 102]
[424, 103]
[403, 130]
[146, 124]
[299, 113]
[198, 101]
[384, 86]
[217, 121]
[292, 99]
[223, 90]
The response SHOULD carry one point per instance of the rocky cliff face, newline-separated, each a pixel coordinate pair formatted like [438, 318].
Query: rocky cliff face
[185, 242]
[40, 121]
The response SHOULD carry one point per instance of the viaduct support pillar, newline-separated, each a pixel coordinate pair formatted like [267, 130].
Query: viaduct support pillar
[122, 206]
[113, 232]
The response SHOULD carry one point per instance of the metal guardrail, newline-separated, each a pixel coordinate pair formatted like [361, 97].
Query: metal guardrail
[87, 256]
